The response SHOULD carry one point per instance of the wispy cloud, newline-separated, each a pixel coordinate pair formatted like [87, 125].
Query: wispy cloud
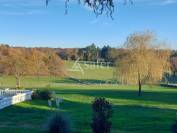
[99, 22]
[156, 2]
[28, 3]
[18, 13]
[95, 21]
[18, 3]
[168, 2]
[22, 7]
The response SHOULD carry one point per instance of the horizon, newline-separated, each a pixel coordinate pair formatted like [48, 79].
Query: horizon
[66, 47]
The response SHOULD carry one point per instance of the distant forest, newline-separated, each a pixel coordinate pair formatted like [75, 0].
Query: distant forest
[95, 53]
[106, 54]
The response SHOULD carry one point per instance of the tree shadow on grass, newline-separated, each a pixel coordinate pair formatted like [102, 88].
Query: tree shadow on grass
[126, 118]
[161, 97]
[27, 115]
[169, 85]
[32, 115]
[79, 81]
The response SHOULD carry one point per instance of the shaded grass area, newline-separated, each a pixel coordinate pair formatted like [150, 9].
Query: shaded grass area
[169, 85]
[24, 117]
[81, 81]
[34, 82]
[154, 112]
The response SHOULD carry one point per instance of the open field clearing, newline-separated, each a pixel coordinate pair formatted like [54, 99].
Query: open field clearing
[90, 71]
[90, 76]
[153, 112]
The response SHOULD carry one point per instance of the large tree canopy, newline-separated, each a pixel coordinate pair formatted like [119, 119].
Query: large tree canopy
[20, 62]
[143, 60]
[98, 6]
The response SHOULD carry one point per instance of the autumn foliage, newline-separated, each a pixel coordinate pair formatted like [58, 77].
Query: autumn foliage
[20, 62]
[143, 60]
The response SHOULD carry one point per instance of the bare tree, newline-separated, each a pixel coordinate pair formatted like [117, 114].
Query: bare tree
[143, 60]
[98, 6]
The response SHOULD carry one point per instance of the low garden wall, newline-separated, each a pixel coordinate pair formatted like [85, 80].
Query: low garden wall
[10, 97]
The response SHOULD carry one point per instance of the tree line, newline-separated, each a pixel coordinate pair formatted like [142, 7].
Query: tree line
[106, 54]
[20, 62]
[89, 53]
[142, 59]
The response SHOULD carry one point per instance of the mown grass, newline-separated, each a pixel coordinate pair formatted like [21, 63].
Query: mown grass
[153, 112]
[91, 75]
[90, 72]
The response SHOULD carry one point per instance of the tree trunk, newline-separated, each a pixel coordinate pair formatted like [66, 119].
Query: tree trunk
[139, 93]
[17, 82]
[139, 85]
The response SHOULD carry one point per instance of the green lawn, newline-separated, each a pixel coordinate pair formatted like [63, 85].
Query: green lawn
[153, 112]
[90, 72]
[91, 75]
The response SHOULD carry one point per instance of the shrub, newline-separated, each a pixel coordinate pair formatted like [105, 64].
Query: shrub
[42, 94]
[102, 112]
[35, 95]
[174, 127]
[45, 94]
[59, 123]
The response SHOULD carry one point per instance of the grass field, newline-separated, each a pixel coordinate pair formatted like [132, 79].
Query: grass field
[91, 75]
[91, 72]
[153, 112]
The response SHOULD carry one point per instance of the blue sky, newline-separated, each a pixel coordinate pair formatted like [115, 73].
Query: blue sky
[30, 23]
